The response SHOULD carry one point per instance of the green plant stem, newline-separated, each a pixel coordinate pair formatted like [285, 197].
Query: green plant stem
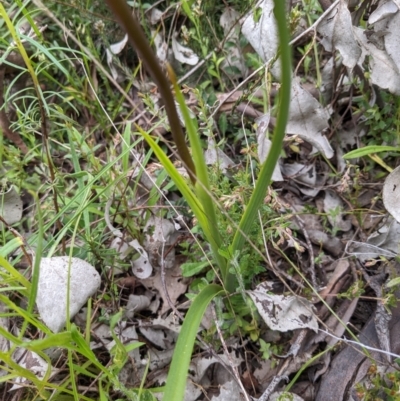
[267, 169]
[139, 41]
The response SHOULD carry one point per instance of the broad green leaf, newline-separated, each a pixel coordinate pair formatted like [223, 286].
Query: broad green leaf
[191, 268]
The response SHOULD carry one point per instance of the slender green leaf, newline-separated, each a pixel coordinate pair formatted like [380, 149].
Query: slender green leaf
[176, 381]
[368, 150]
[202, 186]
[267, 169]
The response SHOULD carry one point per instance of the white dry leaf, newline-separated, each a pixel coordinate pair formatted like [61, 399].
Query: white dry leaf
[51, 299]
[141, 266]
[34, 363]
[215, 156]
[115, 49]
[337, 33]
[384, 10]
[384, 242]
[161, 46]
[263, 34]
[155, 15]
[199, 365]
[307, 119]
[170, 322]
[175, 284]
[283, 312]
[301, 173]
[333, 207]
[157, 239]
[10, 206]
[384, 72]
[305, 177]
[184, 54]
[229, 21]
[391, 193]
[135, 304]
[161, 338]
[229, 391]
[159, 359]
[264, 145]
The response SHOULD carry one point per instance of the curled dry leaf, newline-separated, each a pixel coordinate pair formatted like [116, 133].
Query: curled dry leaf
[264, 144]
[115, 49]
[283, 312]
[307, 119]
[384, 10]
[384, 71]
[34, 363]
[184, 54]
[391, 193]
[333, 206]
[263, 34]
[215, 156]
[10, 206]
[141, 266]
[337, 33]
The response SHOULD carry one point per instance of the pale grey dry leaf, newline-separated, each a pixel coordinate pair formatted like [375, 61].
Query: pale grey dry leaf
[337, 33]
[263, 34]
[327, 77]
[10, 206]
[159, 359]
[155, 15]
[382, 315]
[281, 312]
[215, 156]
[384, 72]
[333, 207]
[301, 173]
[158, 239]
[229, 391]
[135, 304]
[384, 242]
[264, 144]
[53, 283]
[392, 38]
[161, 338]
[391, 193]
[183, 54]
[229, 21]
[384, 10]
[34, 363]
[160, 45]
[141, 266]
[307, 119]
[175, 283]
[115, 49]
